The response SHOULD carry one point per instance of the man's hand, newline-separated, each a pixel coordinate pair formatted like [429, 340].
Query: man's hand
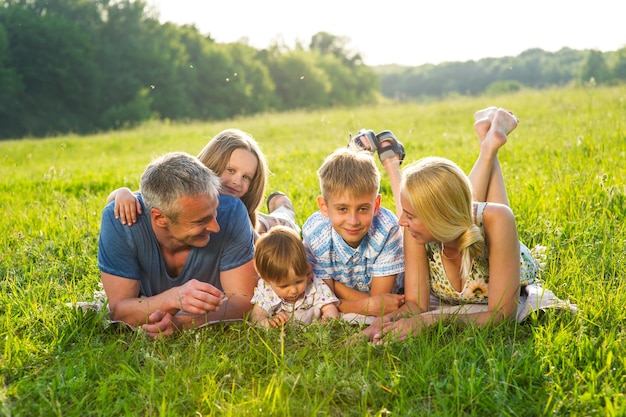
[160, 324]
[197, 297]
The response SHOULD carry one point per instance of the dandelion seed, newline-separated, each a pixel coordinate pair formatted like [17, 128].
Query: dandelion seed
[152, 86]
[603, 179]
[191, 66]
[227, 79]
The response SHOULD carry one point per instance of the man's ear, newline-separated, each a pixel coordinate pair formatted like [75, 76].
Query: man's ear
[321, 203]
[158, 218]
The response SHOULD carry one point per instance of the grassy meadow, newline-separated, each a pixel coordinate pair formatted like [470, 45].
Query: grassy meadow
[565, 167]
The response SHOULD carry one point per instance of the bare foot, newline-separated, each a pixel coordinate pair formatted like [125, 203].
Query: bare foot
[502, 124]
[486, 113]
[482, 121]
[506, 119]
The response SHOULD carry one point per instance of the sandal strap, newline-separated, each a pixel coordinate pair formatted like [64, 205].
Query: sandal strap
[269, 198]
[386, 135]
[391, 148]
[371, 138]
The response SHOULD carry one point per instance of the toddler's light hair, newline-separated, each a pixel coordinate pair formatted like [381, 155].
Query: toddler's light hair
[279, 254]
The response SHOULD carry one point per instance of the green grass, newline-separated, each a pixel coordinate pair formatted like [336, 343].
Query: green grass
[565, 171]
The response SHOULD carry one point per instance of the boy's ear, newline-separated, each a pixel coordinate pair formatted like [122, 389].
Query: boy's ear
[377, 204]
[321, 203]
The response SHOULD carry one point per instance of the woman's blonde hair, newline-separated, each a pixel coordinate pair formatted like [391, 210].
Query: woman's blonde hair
[441, 195]
[216, 155]
[279, 254]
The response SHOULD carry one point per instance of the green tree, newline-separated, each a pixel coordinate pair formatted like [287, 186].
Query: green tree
[350, 80]
[327, 44]
[253, 88]
[10, 88]
[53, 58]
[210, 69]
[130, 113]
[503, 87]
[300, 83]
[533, 68]
[619, 69]
[166, 71]
[595, 67]
[125, 55]
[527, 68]
[350, 84]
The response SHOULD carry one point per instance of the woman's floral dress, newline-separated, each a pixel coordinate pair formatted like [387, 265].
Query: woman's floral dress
[476, 288]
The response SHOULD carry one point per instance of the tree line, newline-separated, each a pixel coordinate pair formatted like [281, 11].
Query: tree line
[82, 66]
[533, 68]
[88, 65]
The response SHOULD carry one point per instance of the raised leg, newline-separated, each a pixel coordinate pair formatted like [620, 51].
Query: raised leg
[492, 127]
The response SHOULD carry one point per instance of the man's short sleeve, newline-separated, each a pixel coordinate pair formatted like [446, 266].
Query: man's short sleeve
[238, 239]
[117, 250]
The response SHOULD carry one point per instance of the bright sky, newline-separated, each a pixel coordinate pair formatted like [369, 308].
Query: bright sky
[411, 32]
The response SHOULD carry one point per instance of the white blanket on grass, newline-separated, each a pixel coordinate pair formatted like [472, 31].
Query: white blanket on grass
[536, 298]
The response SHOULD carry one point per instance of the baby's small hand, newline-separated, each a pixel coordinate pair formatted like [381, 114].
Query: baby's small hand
[279, 319]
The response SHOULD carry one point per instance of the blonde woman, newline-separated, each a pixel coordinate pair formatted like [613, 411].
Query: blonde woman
[462, 251]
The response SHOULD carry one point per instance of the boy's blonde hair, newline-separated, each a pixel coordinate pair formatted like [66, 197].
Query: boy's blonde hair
[441, 195]
[279, 254]
[216, 155]
[351, 171]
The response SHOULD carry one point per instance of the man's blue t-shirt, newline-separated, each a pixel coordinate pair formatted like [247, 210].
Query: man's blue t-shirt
[133, 252]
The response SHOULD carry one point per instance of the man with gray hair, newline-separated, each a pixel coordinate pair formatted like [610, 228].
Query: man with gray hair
[177, 268]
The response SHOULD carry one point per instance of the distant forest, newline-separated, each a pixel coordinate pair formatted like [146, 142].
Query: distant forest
[83, 66]
[533, 68]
